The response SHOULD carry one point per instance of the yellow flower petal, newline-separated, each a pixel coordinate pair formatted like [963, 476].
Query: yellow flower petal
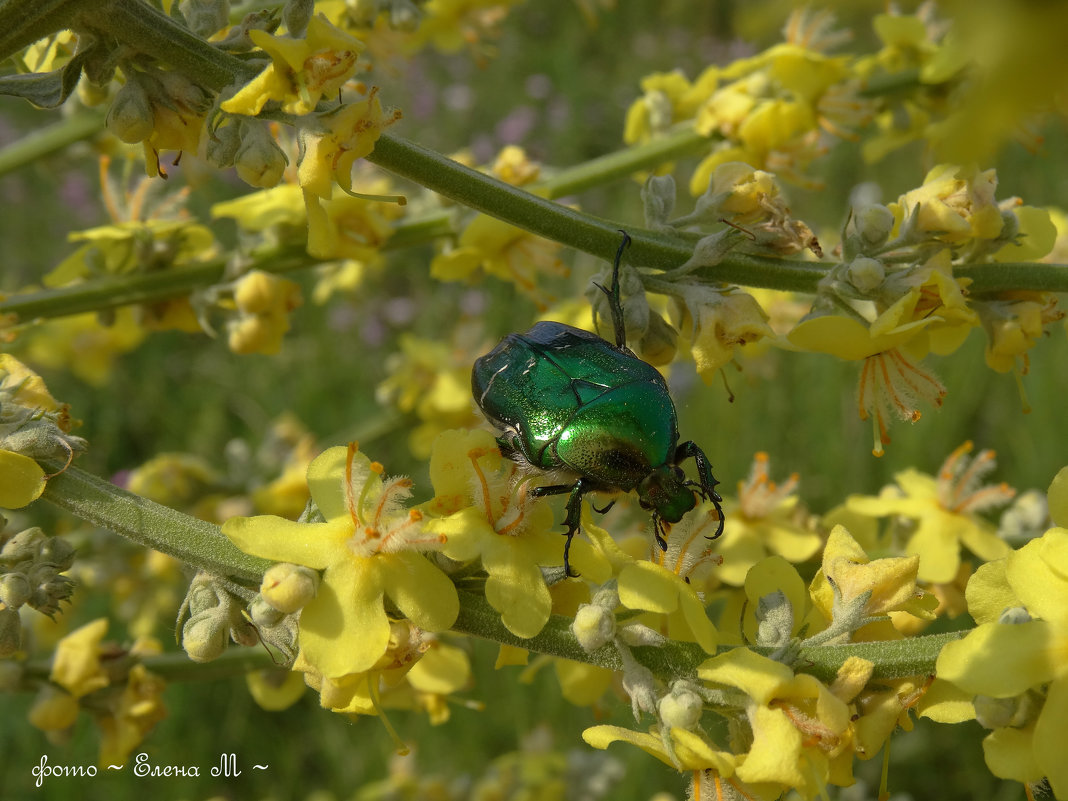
[1058, 498]
[757, 676]
[342, 634]
[21, 480]
[420, 590]
[1001, 659]
[643, 585]
[1049, 738]
[988, 593]
[1038, 573]
[313, 545]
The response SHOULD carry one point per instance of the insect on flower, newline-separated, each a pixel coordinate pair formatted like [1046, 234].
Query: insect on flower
[594, 416]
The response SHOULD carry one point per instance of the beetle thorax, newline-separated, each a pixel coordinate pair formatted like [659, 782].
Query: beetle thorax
[665, 492]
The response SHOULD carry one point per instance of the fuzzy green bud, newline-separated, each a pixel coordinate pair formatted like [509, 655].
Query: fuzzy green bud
[15, 589]
[658, 201]
[288, 587]
[259, 160]
[681, 708]
[295, 15]
[660, 342]
[263, 614]
[223, 143]
[873, 223]
[205, 636]
[206, 17]
[130, 117]
[866, 274]
[23, 547]
[58, 553]
[775, 616]
[10, 632]
[593, 627]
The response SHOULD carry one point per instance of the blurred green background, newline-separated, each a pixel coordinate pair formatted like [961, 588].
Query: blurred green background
[559, 88]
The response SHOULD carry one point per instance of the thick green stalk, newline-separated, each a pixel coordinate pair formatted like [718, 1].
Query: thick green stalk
[189, 539]
[913, 656]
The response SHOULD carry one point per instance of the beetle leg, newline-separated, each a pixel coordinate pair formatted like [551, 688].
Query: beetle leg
[614, 302]
[658, 532]
[708, 481]
[573, 517]
[605, 510]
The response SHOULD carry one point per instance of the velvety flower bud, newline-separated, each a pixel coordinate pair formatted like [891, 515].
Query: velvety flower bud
[874, 223]
[10, 632]
[130, 117]
[594, 626]
[259, 160]
[866, 274]
[15, 590]
[23, 546]
[681, 708]
[263, 614]
[288, 587]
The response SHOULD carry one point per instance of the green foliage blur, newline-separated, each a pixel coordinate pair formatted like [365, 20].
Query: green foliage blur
[559, 88]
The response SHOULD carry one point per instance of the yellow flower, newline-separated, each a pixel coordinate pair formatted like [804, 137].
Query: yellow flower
[76, 666]
[954, 205]
[945, 510]
[130, 717]
[83, 345]
[717, 324]
[691, 750]
[794, 723]
[848, 576]
[263, 302]
[1014, 325]
[348, 134]
[766, 519]
[349, 227]
[483, 507]
[368, 548]
[501, 250]
[431, 379]
[301, 72]
[1016, 660]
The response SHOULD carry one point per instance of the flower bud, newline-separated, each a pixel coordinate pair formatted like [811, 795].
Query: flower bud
[681, 708]
[660, 342]
[593, 627]
[775, 616]
[206, 17]
[205, 636]
[866, 274]
[658, 200]
[287, 587]
[58, 553]
[15, 590]
[10, 632]
[24, 546]
[259, 160]
[223, 143]
[873, 222]
[295, 14]
[263, 614]
[130, 117]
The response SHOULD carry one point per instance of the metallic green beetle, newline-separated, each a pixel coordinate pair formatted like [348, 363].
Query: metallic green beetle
[594, 416]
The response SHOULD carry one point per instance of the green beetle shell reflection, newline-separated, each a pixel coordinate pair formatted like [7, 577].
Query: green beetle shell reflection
[593, 413]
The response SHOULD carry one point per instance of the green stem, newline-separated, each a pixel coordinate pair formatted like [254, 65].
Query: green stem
[49, 140]
[112, 292]
[624, 163]
[913, 656]
[188, 539]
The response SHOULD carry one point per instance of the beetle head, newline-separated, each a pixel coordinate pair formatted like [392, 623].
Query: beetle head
[666, 492]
